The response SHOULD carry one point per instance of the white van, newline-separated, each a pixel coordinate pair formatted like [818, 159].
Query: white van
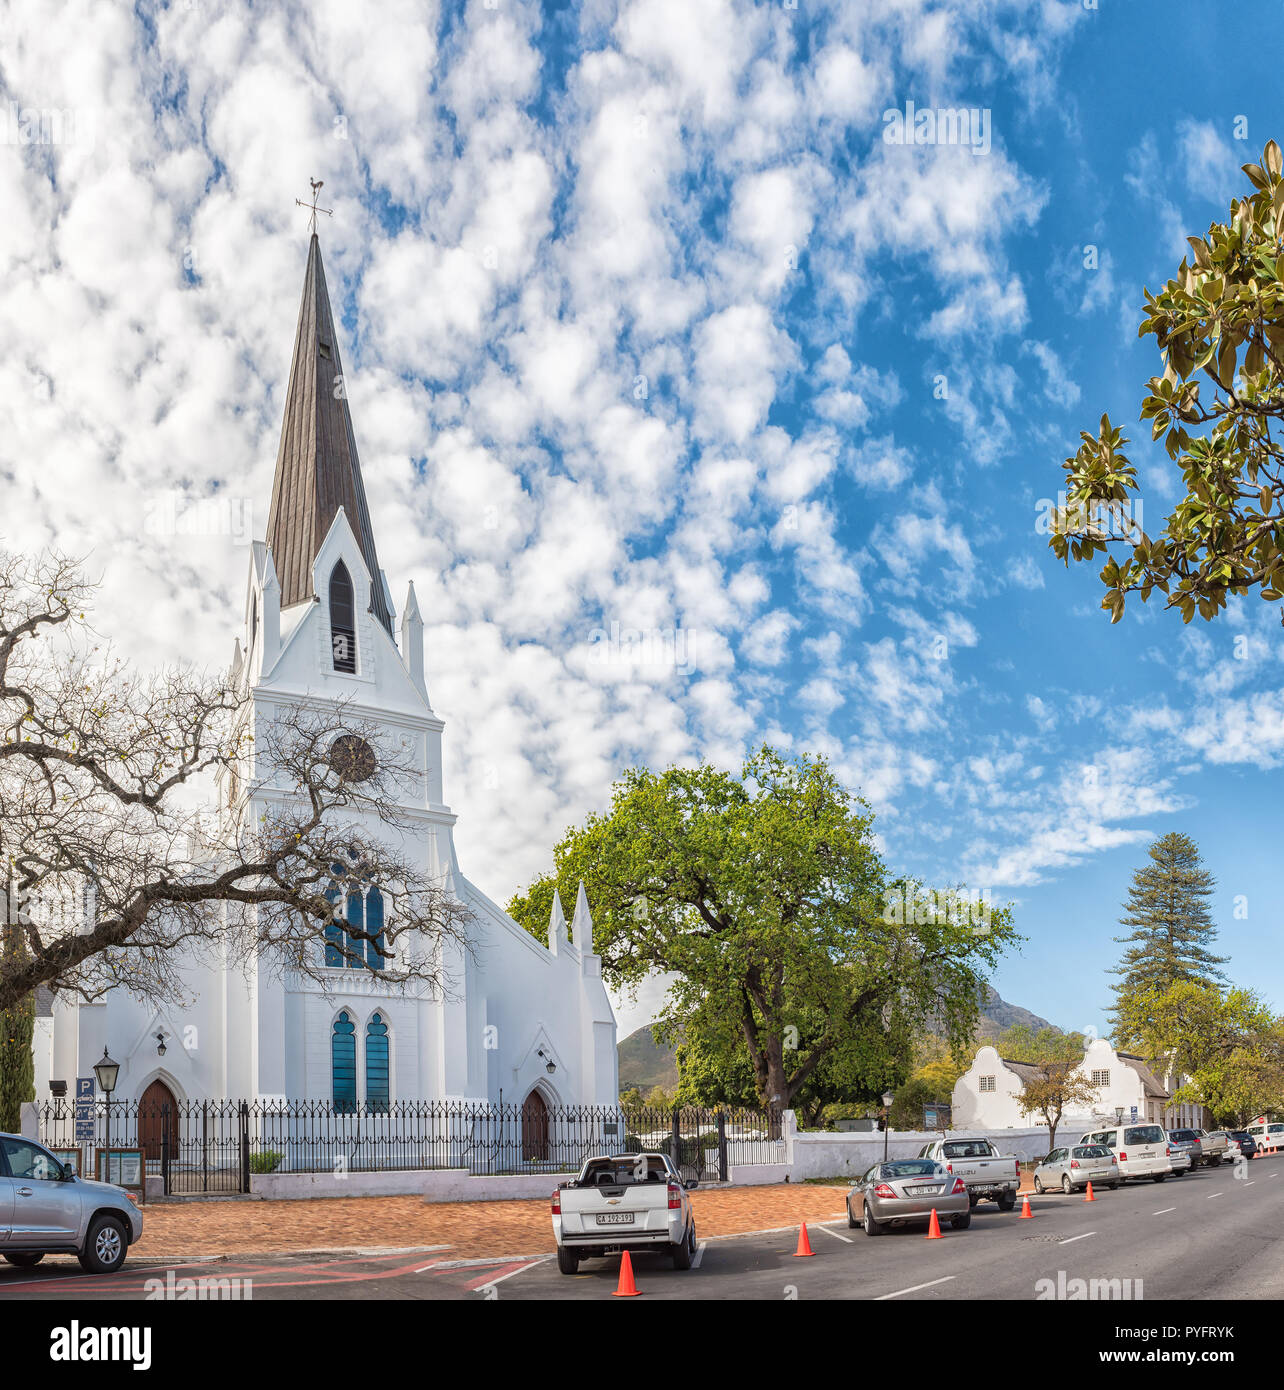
[1141, 1148]
[1269, 1135]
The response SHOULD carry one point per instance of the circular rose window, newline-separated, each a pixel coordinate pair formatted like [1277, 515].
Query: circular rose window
[352, 758]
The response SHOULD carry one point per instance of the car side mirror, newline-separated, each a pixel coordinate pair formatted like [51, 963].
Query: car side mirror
[690, 1183]
[68, 1172]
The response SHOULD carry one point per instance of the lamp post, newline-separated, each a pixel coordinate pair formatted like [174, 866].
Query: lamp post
[1119, 1114]
[888, 1098]
[107, 1071]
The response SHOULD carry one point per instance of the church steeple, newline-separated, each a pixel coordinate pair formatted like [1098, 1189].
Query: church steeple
[317, 469]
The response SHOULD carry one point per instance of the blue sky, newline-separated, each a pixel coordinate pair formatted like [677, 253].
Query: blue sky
[646, 324]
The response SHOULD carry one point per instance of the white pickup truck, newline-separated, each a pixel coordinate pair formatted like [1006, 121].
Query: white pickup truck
[624, 1202]
[984, 1170]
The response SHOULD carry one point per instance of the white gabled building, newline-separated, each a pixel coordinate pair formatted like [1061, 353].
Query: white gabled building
[530, 1021]
[986, 1096]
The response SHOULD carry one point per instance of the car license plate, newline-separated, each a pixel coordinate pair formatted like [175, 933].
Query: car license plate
[615, 1218]
[928, 1191]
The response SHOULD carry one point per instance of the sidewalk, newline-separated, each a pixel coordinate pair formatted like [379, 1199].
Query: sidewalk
[470, 1228]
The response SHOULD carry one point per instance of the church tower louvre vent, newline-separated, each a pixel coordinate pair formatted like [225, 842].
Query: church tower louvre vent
[317, 467]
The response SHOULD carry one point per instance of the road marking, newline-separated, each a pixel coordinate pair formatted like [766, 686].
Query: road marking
[1250, 1182]
[1072, 1239]
[1211, 1195]
[1165, 1211]
[478, 1285]
[914, 1288]
[699, 1254]
[847, 1240]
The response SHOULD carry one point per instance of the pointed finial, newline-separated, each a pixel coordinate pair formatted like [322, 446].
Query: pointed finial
[317, 186]
[557, 933]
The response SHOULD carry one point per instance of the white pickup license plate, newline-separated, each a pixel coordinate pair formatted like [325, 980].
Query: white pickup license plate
[615, 1218]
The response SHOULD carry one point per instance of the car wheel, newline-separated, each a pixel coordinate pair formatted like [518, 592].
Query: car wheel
[26, 1259]
[1007, 1201]
[107, 1246]
[1038, 1187]
[852, 1223]
[1066, 1185]
[962, 1221]
[1114, 1186]
[1159, 1177]
[1216, 1161]
[972, 1201]
[567, 1260]
[684, 1253]
[872, 1228]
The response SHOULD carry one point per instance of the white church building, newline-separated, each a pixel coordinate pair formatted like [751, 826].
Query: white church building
[523, 1021]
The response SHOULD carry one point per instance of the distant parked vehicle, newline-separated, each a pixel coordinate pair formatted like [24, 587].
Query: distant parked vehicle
[1247, 1144]
[1142, 1149]
[1185, 1148]
[1232, 1147]
[1267, 1134]
[1213, 1147]
[986, 1172]
[907, 1189]
[1076, 1167]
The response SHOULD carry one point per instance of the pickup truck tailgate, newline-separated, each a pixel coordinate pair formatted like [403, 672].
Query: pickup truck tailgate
[632, 1209]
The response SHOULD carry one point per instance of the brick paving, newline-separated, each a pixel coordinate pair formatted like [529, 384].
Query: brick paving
[471, 1229]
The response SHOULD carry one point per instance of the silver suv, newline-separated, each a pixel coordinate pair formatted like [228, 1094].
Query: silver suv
[45, 1209]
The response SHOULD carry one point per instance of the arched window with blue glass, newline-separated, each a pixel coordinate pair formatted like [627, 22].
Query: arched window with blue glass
[334, 932]
[376, 947]
[362, 915]
[377, 1087]
[343, 1063]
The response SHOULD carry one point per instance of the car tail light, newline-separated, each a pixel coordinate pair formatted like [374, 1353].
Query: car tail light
[1074, 1163]
[959, 1187]
[882, 1190]
[1170, 1151]
[1123, 1157]
[949, 1167]
[557, 1201]
[1018, 1167]
[675, 1197]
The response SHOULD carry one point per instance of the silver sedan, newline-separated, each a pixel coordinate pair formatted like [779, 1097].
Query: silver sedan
[1077, 1166]
[907, 1189]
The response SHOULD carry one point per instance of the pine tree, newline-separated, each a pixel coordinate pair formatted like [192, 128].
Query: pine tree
[1172, 927]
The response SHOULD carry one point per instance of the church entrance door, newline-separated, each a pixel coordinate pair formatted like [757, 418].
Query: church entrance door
[151, 1121]
[535, 1127]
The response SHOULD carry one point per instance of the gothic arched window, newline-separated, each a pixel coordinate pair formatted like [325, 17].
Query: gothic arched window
[343, 620]
[343, 1063]
[374, 925]
[376, 1064]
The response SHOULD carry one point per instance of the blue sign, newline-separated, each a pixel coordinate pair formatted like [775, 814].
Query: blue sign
[84, 1130]
[1134, 1112]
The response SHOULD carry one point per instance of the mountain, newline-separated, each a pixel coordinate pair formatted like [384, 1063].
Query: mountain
[644, 1063]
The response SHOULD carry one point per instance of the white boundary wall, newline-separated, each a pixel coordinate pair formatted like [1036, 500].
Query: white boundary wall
[433, 1185]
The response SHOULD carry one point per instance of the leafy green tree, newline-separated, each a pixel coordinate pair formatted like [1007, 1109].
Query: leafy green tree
[1218, 407]
[764, 897]
[1057, 1083]
[1172, 931]
[17, 1028]
[1227, 1043]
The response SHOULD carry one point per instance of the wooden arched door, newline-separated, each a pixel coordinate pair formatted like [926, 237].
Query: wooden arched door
[535, 1127]
[151, 1121]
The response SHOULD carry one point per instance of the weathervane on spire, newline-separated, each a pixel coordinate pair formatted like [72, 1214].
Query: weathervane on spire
[317, 186]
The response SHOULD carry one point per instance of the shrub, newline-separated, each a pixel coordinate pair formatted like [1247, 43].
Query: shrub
[266, 1162]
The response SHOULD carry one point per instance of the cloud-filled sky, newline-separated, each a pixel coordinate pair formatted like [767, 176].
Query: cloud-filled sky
[649, 329]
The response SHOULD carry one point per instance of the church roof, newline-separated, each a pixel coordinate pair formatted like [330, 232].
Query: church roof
[317, 469]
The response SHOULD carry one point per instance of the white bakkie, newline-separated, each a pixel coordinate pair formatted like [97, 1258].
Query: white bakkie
[624, 1202]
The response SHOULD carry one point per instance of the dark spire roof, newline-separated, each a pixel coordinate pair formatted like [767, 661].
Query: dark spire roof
[317, 469]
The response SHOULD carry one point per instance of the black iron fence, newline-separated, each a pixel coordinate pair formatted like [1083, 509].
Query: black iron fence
[216, 1146]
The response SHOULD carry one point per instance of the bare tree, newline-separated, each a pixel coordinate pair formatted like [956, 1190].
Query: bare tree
[124, 875]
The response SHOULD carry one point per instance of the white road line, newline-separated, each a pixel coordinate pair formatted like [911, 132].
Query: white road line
[914, 1288]
[1072, 1239]
[699, 1254]
[1250, 1182]
[1211, 1195]
[490, 1283]
[1164, 1211]
[847, 1240]
[426, 1268]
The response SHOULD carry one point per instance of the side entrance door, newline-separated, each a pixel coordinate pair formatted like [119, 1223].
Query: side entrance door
[151, 1122]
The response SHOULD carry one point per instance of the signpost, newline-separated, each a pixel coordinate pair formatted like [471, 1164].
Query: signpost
[84, 1113]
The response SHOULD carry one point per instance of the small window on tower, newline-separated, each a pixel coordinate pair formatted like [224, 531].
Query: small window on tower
[343, 620]
[324, 347]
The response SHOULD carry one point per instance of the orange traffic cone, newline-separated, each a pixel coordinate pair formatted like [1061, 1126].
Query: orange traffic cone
[1026, 1213]
[626, 1287]
[1088, 1197]
[804, 1245]
[934, 1228]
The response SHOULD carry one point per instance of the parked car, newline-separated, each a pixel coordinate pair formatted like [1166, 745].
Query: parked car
[1247, 1144]
[1077, 1166]
[907, 1189]
[1268, 1135]
[624, 1202]
[1233, 1151]
[1213, 1147]
[45, 1209]
[1142, 1149]
[985, 1171]
[1185, 1148]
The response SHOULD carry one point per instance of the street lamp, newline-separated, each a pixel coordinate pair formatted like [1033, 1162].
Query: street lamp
[1119, 1114]
[888, 1098]
[107, 1071]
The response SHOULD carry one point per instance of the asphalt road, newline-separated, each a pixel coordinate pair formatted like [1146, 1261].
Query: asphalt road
[1207, 1235]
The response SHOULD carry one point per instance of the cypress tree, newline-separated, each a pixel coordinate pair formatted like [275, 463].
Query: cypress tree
[17, 1064]
[1172, 928]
